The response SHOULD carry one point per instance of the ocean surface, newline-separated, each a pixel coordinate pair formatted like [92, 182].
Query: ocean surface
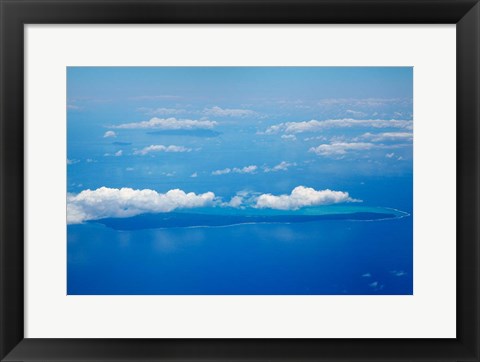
[320, 257]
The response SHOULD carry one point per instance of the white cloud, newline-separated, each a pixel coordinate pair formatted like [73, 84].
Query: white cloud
[72, 162]
[118, 153]
[390, 155]
[364, 102]
[194, 175]
[302, 196]
[235, 201]
[282, 166]
[316, 138]
[387, 136]
[289, 137]
[161, 148]
[246, 169]
[340, 148]
[221, 172]
[355, 113]
[109, 134]
[126, 202]
[228, 112]
[170, 124]
[315, 126]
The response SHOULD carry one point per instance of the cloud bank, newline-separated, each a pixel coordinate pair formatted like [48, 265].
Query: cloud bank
[290, 137]
[340, 148]
[107, 202]
[282, 166]
[109, 134]
[228, 112]
[246, 169]
[171, 123]
[126, 202]
[222, 172]
[302, 196]
[387, 136]
[316, 126]
[161, 111]
[161, 148]
[72, 162]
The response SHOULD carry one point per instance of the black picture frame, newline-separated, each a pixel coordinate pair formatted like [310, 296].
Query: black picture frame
[16, 13]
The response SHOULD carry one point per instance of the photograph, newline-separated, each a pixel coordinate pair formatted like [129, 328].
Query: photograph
[239, 180]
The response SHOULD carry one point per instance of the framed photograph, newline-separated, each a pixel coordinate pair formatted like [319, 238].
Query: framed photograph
[251, 181]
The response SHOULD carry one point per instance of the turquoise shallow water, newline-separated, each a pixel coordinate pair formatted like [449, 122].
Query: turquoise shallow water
[227, 216]
[314, 210]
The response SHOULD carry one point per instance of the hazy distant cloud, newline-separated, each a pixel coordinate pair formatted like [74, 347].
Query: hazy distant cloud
[364, 102]
[126, 202]
[109, 134]
[398, 273]
[73, 107]
[222, 172]
[246, 169]
[319, 138]
[170, 124]
[154, 97]
[282, 166]
[72, 162]
[316, 126]
[228, 112]
[161, 111]
[389, 155]
[302, 196]
[194, 175]
[340, 148]
[353, 113]
[161, 148]
[387, 136]
[116, 154]
[290, 137]
[292, 103]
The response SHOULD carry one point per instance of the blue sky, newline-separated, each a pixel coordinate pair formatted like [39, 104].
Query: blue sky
[156, 139]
